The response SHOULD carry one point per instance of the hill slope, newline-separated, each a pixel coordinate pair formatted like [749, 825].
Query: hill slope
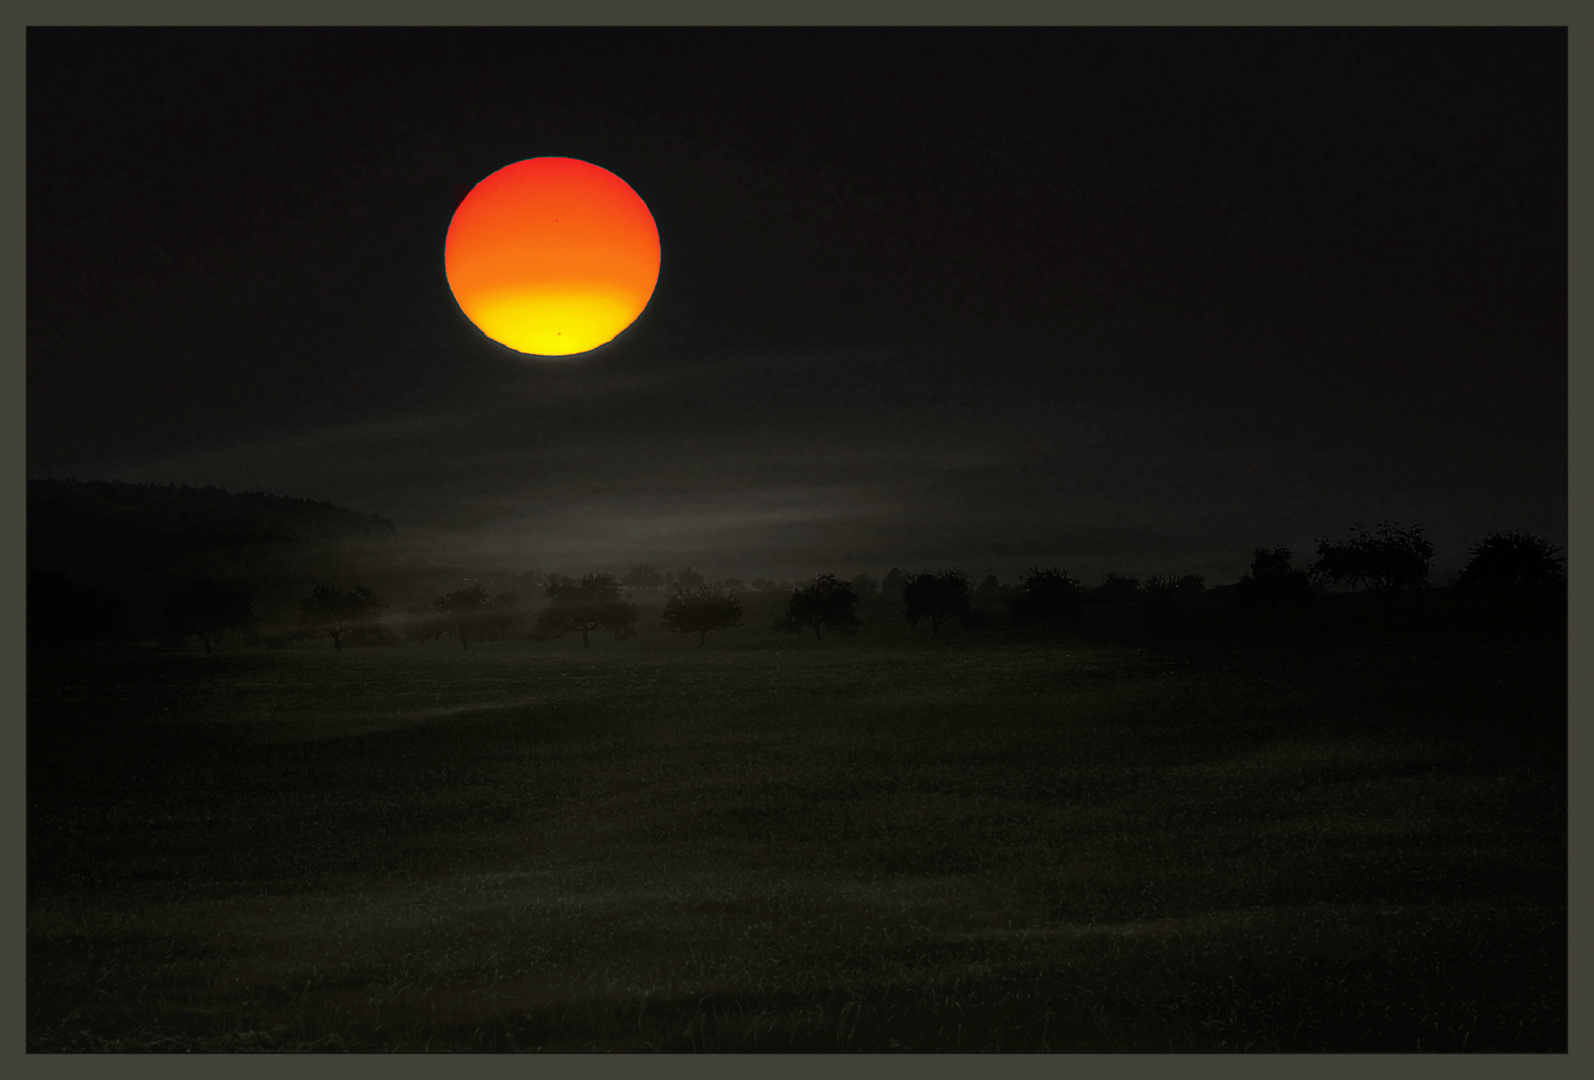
[142, 540]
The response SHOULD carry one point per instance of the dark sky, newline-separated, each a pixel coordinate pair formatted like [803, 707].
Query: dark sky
[1135, 300]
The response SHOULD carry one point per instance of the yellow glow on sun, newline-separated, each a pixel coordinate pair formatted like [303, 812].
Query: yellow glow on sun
[554, 321]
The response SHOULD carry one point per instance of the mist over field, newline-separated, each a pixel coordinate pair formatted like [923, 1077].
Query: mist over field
[846, 462]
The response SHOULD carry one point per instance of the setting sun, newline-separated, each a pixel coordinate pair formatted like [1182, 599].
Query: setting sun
[552, 256]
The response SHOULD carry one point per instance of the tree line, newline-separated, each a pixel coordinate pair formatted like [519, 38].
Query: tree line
[1386, 561]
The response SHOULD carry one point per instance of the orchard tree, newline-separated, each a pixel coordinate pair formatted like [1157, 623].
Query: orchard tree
[1272, 580]
[1387, 560]
[937, 595]
[891, 585]
[1046, 595]
[826, 603]
[702, 610]
[1163, 592]
[584, 605]
[991, 590]
[336, 612]
[1116, 589]
[461, 611]
[643, 576]
[1509, 560]
[209, 610]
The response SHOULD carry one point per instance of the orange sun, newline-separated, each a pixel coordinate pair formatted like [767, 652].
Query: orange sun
[552, 256]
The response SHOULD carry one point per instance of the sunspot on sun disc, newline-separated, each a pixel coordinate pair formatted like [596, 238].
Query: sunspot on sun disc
[552, 256]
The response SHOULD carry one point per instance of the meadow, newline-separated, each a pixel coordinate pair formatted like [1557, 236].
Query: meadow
[1338, 833]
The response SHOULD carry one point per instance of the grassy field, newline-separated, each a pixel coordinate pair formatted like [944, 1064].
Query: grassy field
[1336, 834]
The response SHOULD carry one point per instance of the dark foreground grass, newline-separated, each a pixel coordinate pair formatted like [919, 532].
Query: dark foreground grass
[1337, 839]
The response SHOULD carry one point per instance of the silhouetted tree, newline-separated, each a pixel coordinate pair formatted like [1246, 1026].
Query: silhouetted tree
[826, 603]
[687, 579]
[209, 610]
[643, 576]
[1116, 589]
[1272, 580]
[336, 612]
[1158, 593]
[892, 584]
[584, 605]
[702, 610]
[1385, 561]
[937, 595]
[1167, 594]
[62, 613]
[461, 611]
[985, 599]
[864, 586]
[1509, 560]
[1047, 595]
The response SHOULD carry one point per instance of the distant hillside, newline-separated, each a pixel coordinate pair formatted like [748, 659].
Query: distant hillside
[186, 516]
[140, 540]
